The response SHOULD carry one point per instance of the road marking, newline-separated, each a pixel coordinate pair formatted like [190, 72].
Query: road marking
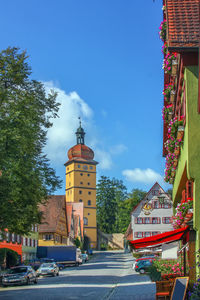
[67, 285]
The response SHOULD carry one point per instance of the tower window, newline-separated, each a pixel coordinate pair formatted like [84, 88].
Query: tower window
[88, 175]
[80, 200]
[81, 182]
[85, 167]
[81, 174]
[79, 166]
[85, 221]
[80, 192]
[91, 167]
[88, 214]
[88, 183]
[89, 202]
[89, 193]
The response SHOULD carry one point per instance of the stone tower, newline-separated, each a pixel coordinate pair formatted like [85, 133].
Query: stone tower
[81, 183]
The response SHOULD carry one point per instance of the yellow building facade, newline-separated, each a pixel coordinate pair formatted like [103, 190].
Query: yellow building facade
[81, 183]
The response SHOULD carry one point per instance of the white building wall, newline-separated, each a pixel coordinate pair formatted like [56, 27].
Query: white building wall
[151, 198]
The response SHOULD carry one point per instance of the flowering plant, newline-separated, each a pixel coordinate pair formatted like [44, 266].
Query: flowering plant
[167, 110]
[167, 91]
[171, 145]
[164, 48]
[168, 266]
[181, 211]
[168, 60]
[163, 30]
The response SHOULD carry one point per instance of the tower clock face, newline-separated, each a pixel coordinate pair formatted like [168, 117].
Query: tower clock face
[85, 167]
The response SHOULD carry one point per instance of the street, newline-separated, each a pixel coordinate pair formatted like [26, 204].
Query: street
[108, 275]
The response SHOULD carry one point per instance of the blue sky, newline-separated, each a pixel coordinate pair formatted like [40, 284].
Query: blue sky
[104, 59]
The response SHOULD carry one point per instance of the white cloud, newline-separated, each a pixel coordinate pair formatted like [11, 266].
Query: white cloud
[61, 136]
[118, 149]
[143, 176]
[104, 158]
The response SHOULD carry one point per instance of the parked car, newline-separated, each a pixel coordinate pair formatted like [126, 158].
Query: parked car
[84, 257]
[142, 266]
[151, 257]
[48, 269]
[19, 275]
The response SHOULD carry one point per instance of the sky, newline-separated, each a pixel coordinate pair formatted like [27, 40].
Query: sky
[104, 59]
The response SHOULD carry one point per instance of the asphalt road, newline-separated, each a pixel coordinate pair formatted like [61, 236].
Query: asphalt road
[107, 276]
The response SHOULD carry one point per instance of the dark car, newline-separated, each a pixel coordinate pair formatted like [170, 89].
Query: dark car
[19, 275]
[48, 269]
[150, 258]
[142, 266]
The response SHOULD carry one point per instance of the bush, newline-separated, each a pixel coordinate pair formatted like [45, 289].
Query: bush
[154, 274]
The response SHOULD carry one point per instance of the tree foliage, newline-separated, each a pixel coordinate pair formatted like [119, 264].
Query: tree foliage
[114, 205]
[127, 206]
[26, 112]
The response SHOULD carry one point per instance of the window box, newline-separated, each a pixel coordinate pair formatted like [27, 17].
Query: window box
[180, 132]
[172, 96]
[174, 67]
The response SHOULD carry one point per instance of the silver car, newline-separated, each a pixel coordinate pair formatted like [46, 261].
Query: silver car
[19, 275]
[48, 269]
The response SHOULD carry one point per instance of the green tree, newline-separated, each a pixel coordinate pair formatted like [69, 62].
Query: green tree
[126, 206]
[110, 192]
[26, 113]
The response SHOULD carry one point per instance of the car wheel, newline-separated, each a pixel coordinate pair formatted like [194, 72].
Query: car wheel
[35, 281]
[57, 274]
[142, 271]
[54, 274]
[28, 281]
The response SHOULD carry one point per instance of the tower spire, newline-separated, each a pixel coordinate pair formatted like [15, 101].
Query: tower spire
[80, 134]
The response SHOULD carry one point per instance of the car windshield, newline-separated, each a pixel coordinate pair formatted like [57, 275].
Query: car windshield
[47, 265]
[17, 270]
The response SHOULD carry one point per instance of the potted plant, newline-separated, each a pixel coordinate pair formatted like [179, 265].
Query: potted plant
[169, 61]
[172, 96]
[180, 132]
[174, 67]
[167, 91]
[163, 30]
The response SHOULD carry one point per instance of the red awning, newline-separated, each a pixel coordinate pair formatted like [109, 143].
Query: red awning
[162, 238]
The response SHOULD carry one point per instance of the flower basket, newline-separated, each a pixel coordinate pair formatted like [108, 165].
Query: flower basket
[172, 96]
[173, 174]
[177, 151]
[180, 132]
[175, 164]
[170, 114]
[174, 67]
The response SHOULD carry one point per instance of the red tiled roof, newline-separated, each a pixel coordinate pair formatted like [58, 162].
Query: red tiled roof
[51, 213]
[183, 23]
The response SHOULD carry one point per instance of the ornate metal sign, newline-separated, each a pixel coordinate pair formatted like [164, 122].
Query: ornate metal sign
[147, 208]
